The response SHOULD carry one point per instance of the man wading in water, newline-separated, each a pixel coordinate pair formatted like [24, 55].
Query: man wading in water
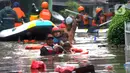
[70, 25]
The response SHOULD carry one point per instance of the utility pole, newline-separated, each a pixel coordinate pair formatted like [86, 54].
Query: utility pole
[50, 5]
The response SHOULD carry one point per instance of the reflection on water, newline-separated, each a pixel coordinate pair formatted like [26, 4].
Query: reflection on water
[14, 57]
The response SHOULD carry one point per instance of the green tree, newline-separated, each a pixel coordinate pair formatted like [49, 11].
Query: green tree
[116, 29]
[71, 5]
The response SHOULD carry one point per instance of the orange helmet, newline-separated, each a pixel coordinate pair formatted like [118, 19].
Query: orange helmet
[98, 10]
[44, 5]
[80, 8]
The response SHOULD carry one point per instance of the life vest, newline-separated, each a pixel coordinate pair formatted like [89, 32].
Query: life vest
[81, 51]
[49, 48]
[34, 47]
[20, 14]
[38, 65]
[99, 19]
[45, 14]
[85, 19]
[102, 19]
[94, 23]
[33, 17]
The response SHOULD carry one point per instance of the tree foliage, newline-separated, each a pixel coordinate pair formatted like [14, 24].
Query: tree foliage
[116, 29]
[71, 5]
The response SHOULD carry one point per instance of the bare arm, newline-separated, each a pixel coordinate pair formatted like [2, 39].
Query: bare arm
[72, 31]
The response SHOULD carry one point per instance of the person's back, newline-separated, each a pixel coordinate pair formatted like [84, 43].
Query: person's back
[45, 14]
[7, 17]
[17, 9]
[19, 12]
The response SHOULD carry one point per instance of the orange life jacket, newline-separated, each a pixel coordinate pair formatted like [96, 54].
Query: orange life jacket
[33, 17]
[109, 14]
[45, 14]
[102, 19]
[20, 14]
[85, 19]
[94, 23]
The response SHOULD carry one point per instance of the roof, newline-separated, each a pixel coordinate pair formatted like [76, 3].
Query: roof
[82, 2]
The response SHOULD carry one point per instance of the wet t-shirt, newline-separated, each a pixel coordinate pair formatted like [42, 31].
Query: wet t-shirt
[56, 40]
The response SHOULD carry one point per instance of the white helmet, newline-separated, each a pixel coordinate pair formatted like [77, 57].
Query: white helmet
[68, 20]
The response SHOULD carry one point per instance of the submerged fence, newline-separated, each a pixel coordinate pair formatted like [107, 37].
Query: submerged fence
[127, 46]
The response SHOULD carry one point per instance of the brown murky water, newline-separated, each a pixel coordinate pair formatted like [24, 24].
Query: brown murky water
[14, 57]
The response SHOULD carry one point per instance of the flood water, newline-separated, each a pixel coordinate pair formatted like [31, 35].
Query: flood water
[15, 58]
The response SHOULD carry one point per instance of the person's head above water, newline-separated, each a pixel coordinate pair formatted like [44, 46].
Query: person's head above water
[67, 47]
[56, 31]
[49, 39]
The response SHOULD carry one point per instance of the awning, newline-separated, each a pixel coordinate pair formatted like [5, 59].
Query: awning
[82, 2]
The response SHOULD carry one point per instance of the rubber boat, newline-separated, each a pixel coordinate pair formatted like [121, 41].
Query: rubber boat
[36, 29]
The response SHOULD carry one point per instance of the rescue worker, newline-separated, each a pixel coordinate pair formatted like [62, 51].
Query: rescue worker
[19, 12]
[45, 14]
[83, 18]
[96, 21]
[8, 17]
[34, 12]
[101, 17]
[49, 48]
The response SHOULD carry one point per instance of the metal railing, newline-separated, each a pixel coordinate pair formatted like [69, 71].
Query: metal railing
[127, 46]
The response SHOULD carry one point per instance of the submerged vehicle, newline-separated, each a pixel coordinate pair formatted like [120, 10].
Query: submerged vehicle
[37, 29]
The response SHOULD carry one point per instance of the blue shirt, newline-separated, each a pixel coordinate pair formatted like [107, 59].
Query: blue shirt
[56, 40]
